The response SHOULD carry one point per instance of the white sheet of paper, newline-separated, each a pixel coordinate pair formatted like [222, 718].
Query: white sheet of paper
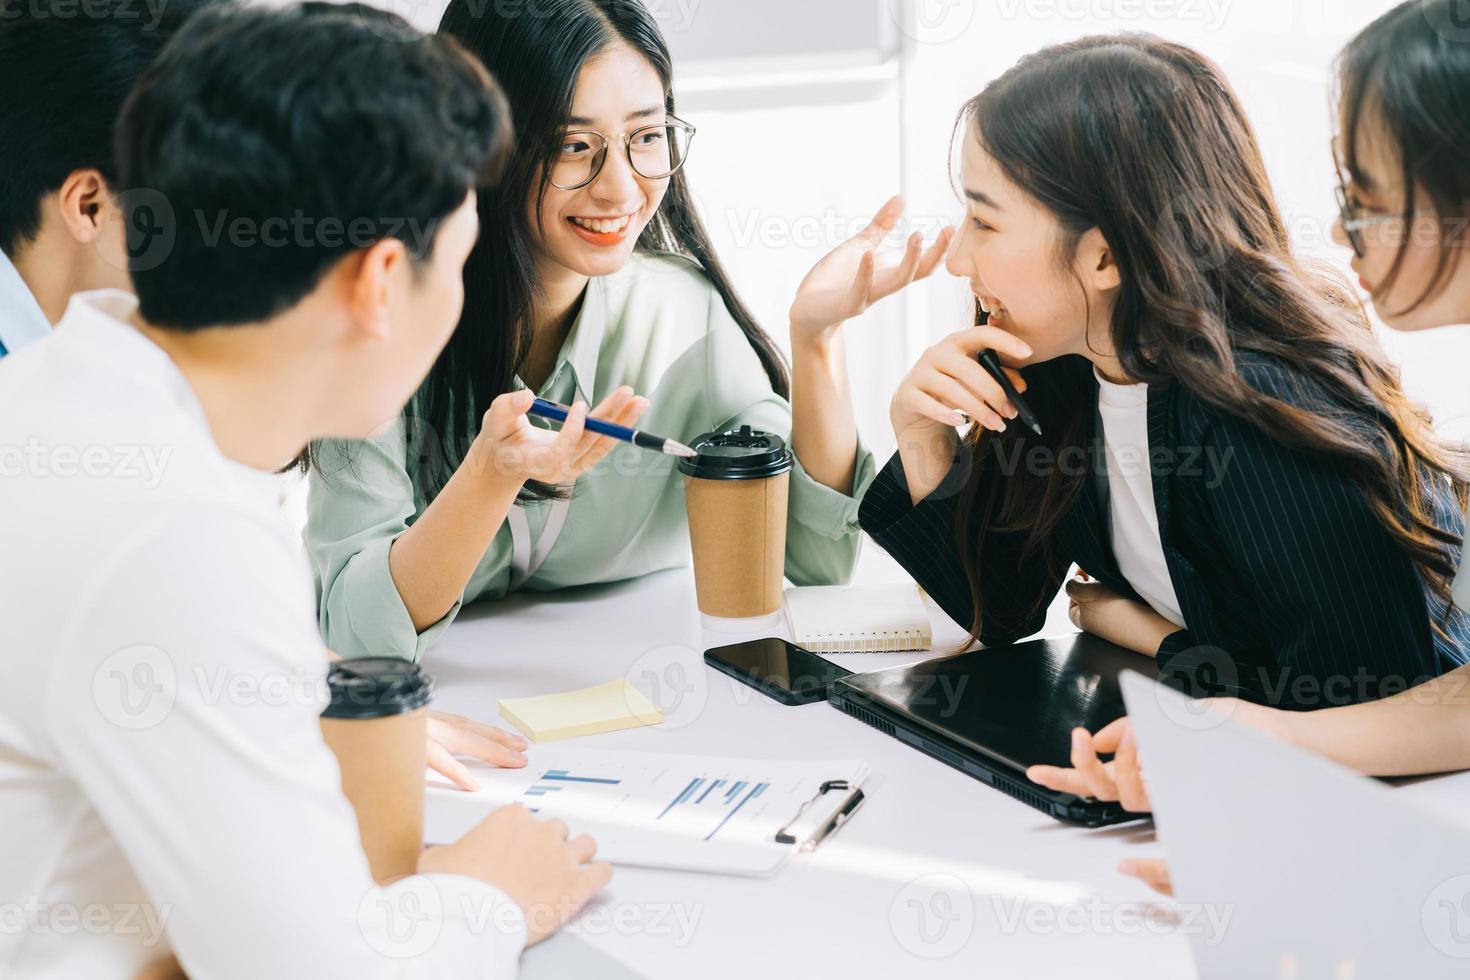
[651, 809]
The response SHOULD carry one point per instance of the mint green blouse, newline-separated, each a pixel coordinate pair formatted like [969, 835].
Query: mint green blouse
[658, 325]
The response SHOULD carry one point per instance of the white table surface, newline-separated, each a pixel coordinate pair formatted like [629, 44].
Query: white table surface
[937, 875]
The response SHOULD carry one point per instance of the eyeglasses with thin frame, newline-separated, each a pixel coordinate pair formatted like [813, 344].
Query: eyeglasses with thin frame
[654, 152]
[1350, 214]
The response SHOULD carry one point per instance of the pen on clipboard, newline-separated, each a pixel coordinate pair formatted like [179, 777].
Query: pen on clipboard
[541, 408]
[990, 361]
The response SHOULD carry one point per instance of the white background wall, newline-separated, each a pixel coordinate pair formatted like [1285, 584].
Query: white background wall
[812, 112]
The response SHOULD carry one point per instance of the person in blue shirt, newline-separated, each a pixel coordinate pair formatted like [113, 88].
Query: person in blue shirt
[67, 77]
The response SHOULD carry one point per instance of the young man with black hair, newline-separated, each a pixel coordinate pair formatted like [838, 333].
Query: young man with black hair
[66, 68]
[162, 771]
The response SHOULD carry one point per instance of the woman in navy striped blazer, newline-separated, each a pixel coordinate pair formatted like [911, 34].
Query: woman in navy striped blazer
[1404, 159]
[1222, 446]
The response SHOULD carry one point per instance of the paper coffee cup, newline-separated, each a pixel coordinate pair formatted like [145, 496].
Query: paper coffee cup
[735, 491]
[377, 726]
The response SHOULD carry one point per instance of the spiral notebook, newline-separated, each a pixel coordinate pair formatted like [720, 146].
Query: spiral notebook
[858, 619]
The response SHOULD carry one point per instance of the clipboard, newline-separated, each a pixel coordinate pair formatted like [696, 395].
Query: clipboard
[849, 798]
[627, 801]
[815, 820]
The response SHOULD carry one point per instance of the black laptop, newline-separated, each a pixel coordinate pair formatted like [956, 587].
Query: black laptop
[991, 713]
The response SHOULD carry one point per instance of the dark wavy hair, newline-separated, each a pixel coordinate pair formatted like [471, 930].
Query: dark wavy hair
[1144, 140]
[1409, 72]
[537, 55]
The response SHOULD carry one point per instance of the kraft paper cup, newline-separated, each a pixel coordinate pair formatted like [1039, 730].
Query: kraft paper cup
[736, 494]
[377, 726]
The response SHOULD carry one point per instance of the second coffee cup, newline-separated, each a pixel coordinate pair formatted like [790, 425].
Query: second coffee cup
[377, 726]
[736, 490]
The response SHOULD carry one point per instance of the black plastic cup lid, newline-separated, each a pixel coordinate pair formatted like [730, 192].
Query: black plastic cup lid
[739, 454]
[376, 687]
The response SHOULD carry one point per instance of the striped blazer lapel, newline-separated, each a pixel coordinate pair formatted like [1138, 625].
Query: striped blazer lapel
[1160, 439]
[1166, 456]
[1088, 526]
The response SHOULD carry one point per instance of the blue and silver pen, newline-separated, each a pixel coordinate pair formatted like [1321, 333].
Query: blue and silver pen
[541, 408]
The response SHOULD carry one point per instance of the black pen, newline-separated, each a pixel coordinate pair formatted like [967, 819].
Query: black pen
[990, 361]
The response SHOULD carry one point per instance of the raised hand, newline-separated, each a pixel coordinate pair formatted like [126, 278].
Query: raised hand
[854, 275]
[948, 387]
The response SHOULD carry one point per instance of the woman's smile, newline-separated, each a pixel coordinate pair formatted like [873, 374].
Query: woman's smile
[604, 232]
[992, 306]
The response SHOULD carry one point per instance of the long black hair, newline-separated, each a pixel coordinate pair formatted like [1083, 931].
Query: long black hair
[1409, 72]
[1144, 140]
[537, 56]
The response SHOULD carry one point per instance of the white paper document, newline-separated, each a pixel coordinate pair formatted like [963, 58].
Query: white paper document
[652, 809]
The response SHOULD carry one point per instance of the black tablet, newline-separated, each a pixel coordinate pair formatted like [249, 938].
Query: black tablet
[991, 713]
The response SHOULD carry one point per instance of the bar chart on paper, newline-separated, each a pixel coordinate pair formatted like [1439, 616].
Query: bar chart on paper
[682, 810]
[700, 806]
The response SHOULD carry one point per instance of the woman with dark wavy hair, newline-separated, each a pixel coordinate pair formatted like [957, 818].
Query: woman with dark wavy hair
[593, 278]
[1226, 450]
[1403, 153]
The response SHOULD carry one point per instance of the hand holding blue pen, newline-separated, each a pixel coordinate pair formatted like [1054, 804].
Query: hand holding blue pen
[645, 440]
[515, 448]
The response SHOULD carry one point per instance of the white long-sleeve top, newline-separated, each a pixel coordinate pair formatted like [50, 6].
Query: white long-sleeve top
[164, 785]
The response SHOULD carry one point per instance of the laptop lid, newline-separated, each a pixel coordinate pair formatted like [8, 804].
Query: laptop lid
[1015, 705]
[1291, 866]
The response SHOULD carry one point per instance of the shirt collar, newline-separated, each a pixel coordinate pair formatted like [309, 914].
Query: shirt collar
[1115, 395]
[21, 319]
[101, 324]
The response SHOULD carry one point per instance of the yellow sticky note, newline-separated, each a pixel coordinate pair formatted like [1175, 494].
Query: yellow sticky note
[607, 707]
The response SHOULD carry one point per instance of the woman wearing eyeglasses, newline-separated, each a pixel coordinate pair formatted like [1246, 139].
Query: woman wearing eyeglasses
[1404, 162]
[593, 279]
